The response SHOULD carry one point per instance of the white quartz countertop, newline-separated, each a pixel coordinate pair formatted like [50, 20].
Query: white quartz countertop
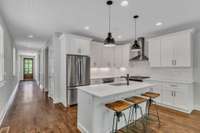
[104, 90]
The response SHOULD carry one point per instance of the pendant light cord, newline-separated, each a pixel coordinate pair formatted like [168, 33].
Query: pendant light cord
[109, 17]
[135, 30]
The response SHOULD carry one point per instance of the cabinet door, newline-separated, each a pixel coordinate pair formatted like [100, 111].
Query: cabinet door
[154, 52]
[73, 46]
[182, 50]
[158, 89]
[118, 56]
[108, 57]
[96, 54]
[125, 55]
[168, 98]
[83, 46]
[167, 44]
[180, 100]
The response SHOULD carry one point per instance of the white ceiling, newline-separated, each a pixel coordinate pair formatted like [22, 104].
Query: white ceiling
[44, 17]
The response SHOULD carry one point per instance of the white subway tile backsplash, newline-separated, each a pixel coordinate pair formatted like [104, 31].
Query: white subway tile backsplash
[143, 68]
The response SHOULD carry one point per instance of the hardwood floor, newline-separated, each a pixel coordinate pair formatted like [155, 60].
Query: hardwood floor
[33, 112]
[171, 122]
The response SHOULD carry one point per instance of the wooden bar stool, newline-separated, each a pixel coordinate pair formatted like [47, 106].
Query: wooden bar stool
[151, 96]
[118, 107]
[136, 100]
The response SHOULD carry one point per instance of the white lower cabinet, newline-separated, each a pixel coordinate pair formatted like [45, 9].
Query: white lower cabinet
[158, 89]
[168, 98]
[180, 100]
[174, 95]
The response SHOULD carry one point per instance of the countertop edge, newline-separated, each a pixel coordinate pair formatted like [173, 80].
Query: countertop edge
[100, 96]
[170, 81]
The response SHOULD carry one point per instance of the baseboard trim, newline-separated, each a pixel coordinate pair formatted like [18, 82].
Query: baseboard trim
[197, 107]
[8, 104]
[81, 128]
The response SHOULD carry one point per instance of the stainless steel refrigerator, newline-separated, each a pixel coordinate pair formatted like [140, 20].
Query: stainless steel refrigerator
[78, 74]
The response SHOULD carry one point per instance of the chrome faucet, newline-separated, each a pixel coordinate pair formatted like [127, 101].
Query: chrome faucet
[127, 77]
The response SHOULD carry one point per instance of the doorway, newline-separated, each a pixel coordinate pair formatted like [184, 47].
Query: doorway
[28, 69]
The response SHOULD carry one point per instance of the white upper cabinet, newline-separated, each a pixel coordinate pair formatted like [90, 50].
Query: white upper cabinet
[96, 53]
[83, 46]
[154, 52]
[125, 55]
[75, 44]
[183, 50]
[167, 51]
[107, 57]
[173, 50]
[118, 59]
[121, 56]
[102, 56]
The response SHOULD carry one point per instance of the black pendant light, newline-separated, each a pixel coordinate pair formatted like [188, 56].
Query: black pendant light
[109, 41]
[135, 45]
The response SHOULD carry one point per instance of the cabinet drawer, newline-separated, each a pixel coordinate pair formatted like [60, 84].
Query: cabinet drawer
[177, 87]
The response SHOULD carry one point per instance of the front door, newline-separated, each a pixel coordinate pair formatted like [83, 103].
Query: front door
[28, 69]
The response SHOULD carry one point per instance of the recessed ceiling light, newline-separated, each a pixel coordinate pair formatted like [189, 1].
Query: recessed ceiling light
[124, 3]
[119, 37]
[87, 27]
[159, 24]
[30, 36]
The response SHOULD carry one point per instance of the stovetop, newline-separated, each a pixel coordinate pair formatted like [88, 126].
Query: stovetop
[138, 78]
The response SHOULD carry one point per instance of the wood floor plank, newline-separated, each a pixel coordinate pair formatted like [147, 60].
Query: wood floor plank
[4, 130]
[33, 112]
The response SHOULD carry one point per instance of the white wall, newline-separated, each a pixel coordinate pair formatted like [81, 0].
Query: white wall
[197, 69]
[54, 65]
[42, 67]
[8, 86]
[46, 76]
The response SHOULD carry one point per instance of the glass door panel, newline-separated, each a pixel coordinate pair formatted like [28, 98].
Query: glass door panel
[28, 69]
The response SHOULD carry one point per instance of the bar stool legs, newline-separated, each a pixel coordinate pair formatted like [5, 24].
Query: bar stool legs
[142, 116]
[116, 119]
[133, 115]
[149, 103]
[157, 112]
[118, 107]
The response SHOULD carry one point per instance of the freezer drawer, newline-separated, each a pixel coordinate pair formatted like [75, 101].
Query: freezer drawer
[72, 96]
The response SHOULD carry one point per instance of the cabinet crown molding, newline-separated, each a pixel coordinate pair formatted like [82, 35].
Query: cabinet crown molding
[75, 36]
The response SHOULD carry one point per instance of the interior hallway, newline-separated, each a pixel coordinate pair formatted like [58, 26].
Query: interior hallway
[33, 112]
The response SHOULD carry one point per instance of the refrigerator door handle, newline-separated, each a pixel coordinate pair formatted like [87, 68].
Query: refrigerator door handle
[80, 71]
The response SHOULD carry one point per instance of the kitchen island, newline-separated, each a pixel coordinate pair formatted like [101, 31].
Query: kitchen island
[93, 116]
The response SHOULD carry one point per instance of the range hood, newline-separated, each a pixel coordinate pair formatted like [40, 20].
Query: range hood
[140, 55]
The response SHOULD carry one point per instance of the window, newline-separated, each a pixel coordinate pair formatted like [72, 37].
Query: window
[14, 61]
[1, 55]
